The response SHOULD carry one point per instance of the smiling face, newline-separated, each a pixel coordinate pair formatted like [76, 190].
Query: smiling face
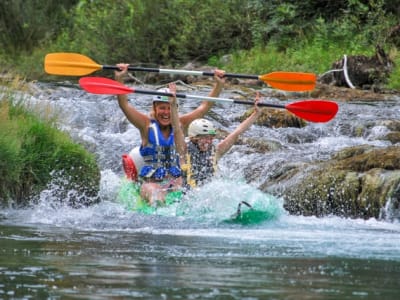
[203, 142]
[162, 113]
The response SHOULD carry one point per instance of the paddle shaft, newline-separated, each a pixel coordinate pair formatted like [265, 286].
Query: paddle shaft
[74, 64]
[180, 72]
[314, 111]
[310, 110]
[204, 98]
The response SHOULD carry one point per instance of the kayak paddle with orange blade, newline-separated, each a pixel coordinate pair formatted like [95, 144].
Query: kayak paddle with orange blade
[75, 64]
[310, 110]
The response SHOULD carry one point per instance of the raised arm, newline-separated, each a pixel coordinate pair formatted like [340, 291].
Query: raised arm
[179, 136]
[205, 106]
[228, 142]
[138, 119]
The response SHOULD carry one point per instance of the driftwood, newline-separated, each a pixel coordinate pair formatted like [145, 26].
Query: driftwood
[362, 72]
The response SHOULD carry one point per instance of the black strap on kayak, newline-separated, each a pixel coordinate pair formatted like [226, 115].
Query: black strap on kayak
[239, 209]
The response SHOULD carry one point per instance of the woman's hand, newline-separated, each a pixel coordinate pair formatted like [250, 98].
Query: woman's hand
[123, 69]
[219, 76]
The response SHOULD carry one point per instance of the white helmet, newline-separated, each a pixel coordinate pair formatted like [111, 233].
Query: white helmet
[201, 127]
[159, 98]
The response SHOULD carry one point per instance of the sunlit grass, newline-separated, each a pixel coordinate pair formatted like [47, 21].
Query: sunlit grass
[31, 148]
[311, 56]
[394, 80]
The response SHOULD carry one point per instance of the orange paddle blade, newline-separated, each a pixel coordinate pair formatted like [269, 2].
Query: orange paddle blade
[290, 81]
[69, 64]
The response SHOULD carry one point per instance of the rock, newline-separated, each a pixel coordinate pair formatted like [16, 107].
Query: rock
[363, 72]
[331, 92]
[358, 182]
[275, 118]
[259, 145]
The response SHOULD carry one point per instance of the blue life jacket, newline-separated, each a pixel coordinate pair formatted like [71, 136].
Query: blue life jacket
[160, 155]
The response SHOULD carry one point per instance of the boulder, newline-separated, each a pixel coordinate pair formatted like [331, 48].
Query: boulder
[364, 72]
[359, 182]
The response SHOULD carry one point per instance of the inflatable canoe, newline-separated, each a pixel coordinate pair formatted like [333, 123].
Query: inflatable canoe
[231, 202]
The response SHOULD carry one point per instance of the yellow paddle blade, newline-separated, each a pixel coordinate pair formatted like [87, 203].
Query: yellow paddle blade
[70, 64]
[290, 81]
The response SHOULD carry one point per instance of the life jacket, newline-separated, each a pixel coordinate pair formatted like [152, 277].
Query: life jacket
[160, 155]
[200, 165]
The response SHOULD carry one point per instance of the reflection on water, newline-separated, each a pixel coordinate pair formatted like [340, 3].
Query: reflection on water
[105, 252]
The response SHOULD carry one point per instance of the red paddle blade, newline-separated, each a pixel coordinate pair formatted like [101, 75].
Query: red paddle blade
[314, 110]
[100, 85]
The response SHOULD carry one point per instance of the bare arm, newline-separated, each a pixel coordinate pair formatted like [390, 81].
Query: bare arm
[228, 142]
[179, 137]
[138, 119]
[205, 106]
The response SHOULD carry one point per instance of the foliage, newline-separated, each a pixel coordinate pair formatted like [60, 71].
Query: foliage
[394, 80]
[101, 29]
[155, 31]
[359, 29]
[25, 24]
[32, 148]
[310, 34]
[9, 154]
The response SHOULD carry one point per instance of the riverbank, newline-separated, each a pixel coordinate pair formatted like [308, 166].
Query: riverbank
[36, 155]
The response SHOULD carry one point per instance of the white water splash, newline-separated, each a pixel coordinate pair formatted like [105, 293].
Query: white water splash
[218, 201]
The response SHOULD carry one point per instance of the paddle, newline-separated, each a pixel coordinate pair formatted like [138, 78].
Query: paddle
[74, 64]
[310, 110]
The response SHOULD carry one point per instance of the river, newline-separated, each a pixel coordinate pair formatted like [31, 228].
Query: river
[50, 251]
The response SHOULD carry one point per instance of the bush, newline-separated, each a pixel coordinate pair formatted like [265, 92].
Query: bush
[24, 25]
[157, 32]
[303, 35]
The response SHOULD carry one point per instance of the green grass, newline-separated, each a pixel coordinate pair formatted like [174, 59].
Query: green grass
[32, 148]
[394, 80]
[314, 55]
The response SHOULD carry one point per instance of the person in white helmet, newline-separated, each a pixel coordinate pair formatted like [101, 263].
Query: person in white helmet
[161, 173]
[198, 154]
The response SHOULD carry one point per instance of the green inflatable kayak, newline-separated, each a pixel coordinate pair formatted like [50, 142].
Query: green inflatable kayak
[196, 204]
[129, 196]
[221, 200]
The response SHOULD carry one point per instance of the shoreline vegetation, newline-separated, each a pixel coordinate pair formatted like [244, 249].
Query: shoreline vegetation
[249, 37]
[257, 36]
[34, 154]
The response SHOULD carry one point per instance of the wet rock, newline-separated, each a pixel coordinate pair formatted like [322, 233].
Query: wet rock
[274, 118]
[358, 182]
[259, 145]
[393, 137]
[346, 94]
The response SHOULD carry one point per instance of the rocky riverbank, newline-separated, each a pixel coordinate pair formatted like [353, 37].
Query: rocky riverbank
[357, 182]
